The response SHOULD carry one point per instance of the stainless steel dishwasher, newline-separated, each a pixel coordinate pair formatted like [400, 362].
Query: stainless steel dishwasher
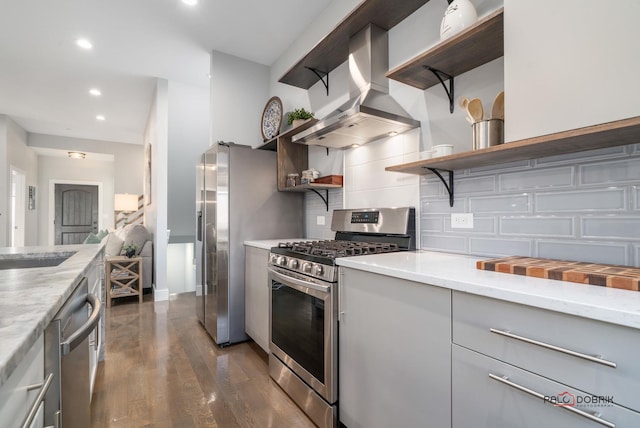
[67, 403]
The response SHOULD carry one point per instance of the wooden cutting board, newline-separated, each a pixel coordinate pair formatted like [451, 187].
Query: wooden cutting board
[624, 277]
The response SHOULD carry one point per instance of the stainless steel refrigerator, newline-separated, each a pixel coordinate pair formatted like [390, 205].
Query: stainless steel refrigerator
[236, 200]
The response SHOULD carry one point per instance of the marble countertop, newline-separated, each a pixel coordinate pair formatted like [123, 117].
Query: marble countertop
[30, 298]
[458, 272]
[266, 244]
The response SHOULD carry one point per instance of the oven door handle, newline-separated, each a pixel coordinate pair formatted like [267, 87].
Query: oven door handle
[298, 284]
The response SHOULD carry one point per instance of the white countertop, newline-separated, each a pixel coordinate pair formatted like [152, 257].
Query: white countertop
[30, 298]
[458, 272]
[266, 244]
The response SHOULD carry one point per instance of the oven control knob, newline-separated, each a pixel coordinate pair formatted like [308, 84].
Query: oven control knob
[282, 261]
[319, 270]
[274, 259]
[306, 267]
[293, 264]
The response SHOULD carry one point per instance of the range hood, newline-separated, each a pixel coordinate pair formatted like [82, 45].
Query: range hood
[371, 113]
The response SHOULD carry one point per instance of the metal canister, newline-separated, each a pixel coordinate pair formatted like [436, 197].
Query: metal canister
[487, 133]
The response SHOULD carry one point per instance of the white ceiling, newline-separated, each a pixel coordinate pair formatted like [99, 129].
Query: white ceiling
[45, 77]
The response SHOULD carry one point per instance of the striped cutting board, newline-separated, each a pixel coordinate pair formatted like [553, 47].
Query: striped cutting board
[624, 277]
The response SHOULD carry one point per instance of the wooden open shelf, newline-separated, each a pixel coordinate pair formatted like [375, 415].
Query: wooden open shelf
[311, 186]
[611, 134]
[471, 48]
[333, 49]
[272, 144]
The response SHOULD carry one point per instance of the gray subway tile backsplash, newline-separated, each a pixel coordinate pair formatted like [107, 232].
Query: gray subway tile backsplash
[537, 226]
[582, 206]
[608, 199]
[611, 172]
[510, 203]
[619, 228]
[537, 179]
[584, 251]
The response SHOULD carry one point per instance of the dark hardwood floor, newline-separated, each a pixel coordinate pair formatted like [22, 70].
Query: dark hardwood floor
[161, 369]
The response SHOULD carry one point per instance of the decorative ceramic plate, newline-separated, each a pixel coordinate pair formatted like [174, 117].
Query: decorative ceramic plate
[271, 118]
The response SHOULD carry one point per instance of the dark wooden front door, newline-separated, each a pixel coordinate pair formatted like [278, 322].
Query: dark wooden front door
[76, 213]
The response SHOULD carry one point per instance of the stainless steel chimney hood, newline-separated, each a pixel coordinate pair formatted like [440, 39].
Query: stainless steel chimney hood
[371, 113]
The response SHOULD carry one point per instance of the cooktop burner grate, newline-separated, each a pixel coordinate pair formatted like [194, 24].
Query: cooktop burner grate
[334, 248]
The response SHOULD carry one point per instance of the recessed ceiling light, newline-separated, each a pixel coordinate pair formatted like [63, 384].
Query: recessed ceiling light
[100, 117]
[77, 155]
[84, 43]
[95, 92]
[190, 2]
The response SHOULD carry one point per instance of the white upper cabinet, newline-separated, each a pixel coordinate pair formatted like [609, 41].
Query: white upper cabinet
[569, 64]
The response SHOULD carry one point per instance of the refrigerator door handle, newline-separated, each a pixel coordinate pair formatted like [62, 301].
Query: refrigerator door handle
[199, 235]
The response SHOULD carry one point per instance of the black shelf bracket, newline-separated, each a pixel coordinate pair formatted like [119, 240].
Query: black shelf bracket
[322, 75]
[449, 186]
[325, 198]
[450, 93]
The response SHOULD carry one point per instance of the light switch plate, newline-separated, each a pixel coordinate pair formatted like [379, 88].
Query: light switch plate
[320, 220]
[462, 221]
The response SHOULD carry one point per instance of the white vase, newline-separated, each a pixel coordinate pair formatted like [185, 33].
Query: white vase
[459, 15]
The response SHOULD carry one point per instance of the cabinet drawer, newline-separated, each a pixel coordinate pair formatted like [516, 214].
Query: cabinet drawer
[474, 317]
[480, 401]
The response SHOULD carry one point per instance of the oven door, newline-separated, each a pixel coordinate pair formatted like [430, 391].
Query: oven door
[303, 328]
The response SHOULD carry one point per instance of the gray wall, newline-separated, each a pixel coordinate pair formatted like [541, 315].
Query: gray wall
[188, 138]
[583, 207]
[128, 158]
[14, 152]
[65, 170]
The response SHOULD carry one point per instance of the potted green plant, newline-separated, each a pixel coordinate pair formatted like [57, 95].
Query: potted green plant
[297, 116]
[130, 250]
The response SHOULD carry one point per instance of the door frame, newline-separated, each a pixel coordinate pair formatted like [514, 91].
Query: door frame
[21, 205]
[52, 203]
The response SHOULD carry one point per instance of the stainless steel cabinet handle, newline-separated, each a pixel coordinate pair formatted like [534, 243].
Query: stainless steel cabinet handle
[505, 380]
[44, 387]
[592, 358]
[79, 335]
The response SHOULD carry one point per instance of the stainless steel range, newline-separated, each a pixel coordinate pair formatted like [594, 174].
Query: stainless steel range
[303, 306]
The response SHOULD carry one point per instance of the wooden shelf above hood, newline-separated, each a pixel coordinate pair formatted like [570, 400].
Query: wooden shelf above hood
[333, 49]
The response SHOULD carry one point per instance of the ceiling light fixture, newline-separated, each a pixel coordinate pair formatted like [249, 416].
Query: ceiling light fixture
[95, 92]
[190, 2]
[84, 43]
[100, 117]
[77, 155]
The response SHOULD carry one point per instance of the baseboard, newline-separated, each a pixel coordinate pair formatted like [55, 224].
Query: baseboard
[160, 295]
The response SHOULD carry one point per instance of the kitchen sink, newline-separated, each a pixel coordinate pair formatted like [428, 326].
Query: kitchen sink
[25, 261]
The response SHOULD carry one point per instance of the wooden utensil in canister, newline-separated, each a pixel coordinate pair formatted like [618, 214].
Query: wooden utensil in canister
[474, 109]
[497, 111]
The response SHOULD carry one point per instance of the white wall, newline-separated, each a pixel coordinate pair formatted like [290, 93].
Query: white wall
[188, 138]
[25, 159]
[181, 274]
[155, 216]
[75, 171]
[4, 179]
[239, 92]
[579, 68]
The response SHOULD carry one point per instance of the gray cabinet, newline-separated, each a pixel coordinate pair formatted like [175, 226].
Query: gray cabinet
[17, 394]
[589, 355]
[395, 352]
[507, 357]
[256, 311]
[479, 400]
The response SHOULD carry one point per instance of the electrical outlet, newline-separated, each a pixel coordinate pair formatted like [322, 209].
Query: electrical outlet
[462, 221]
[320, 220]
